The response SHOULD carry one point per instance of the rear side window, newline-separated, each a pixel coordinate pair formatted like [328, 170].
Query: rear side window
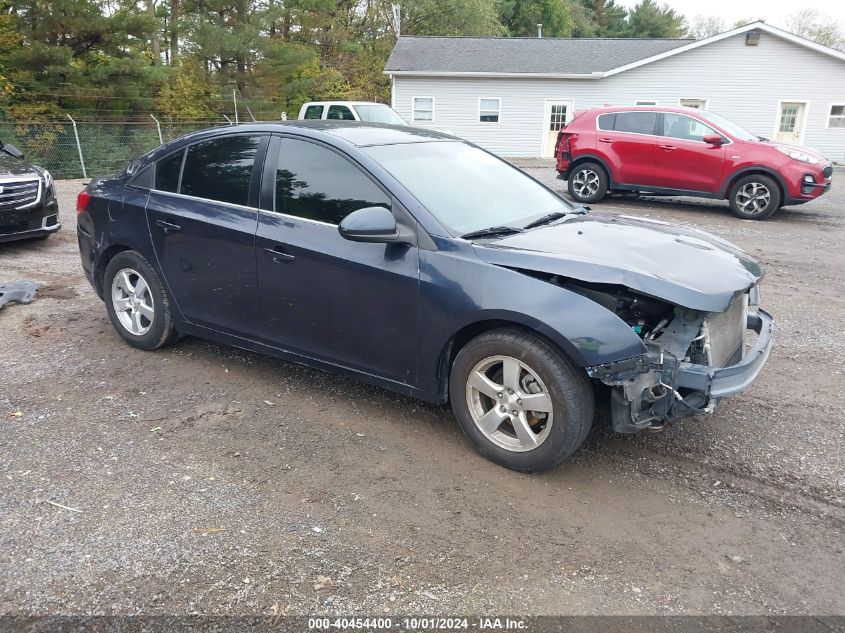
[315, 183]
[636, 122]
[220, 169]
[340, 112]
[314, 112]
[607, 121]
[167, 172]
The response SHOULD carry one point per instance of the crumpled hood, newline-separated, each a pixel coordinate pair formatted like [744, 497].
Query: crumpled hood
[683, 266]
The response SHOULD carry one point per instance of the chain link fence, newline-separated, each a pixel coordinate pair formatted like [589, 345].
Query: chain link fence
[85, 148]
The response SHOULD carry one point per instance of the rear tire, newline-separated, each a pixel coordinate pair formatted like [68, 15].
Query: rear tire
[754, 197]
[588, 182]
[136, 302]
[496, 381]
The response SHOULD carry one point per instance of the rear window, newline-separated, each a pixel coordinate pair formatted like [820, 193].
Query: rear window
[632, 122]
[220, 169]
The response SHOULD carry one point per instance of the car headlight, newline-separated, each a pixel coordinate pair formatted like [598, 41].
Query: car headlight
[48, 181]
[797, 154]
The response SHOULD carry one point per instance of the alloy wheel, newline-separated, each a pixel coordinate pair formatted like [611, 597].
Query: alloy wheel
[509, 403]
[132, 302]
[753, 198]
[586, 183]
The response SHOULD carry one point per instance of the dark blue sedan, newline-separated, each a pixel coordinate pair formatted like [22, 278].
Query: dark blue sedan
[423, 264]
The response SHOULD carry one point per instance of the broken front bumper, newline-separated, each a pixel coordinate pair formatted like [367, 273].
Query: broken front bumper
[718, 382]
[649, 390]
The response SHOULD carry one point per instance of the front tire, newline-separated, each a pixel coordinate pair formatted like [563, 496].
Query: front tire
[754, 197]
[588, 182]
[136, 302]
[519, 401]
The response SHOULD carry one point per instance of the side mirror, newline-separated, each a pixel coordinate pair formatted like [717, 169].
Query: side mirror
[11, 150]
[371, 224]
[713, 139]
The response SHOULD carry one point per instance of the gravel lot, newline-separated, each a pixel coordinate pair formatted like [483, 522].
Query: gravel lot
[204, 479]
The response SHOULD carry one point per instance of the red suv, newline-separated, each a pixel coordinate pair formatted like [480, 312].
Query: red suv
[685, 152]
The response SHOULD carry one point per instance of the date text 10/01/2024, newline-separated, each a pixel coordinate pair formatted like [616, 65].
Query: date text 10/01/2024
[417, 623]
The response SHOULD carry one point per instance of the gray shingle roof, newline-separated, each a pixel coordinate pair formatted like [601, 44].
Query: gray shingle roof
[521, 54]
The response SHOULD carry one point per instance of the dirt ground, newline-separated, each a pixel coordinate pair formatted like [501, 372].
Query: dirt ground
[204, 479]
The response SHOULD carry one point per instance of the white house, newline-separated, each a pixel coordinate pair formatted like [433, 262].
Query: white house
[511, 95]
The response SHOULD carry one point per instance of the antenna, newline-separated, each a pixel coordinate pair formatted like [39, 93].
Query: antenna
[539, 30]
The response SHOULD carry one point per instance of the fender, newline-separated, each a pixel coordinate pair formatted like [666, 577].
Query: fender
[739, 173]
[590, 157]
[459, 292]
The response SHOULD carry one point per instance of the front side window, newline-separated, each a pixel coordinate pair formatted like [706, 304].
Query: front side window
[685, 128]
[728, 126]
[635, 122]
[488, 110]
[466, 188]
[315, 183]
[340, 113]
[836, 116]
[423, 109]
[220, 169]
[167, 172]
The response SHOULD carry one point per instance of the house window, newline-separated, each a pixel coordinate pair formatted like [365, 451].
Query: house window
[645, 103]
[488, 109]
[836, 116]
[697, 104]
[423, 109]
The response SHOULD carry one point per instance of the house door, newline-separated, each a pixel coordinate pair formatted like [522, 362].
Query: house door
[557, 115]
[790, 122]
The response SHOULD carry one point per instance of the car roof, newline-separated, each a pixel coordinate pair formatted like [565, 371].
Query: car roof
[357, 133]
[643, 108]
[353, 103]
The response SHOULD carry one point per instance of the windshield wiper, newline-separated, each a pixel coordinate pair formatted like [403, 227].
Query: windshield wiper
[491, 232]
[554, 215]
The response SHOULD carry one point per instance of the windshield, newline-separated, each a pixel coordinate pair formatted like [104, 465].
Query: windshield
[378, 113]
[466, 188]
[728, 126]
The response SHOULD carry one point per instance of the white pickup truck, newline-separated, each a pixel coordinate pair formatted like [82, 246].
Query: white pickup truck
[350, 111]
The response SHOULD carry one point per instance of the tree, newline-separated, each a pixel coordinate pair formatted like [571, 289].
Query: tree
[648, 19]
[450, 17]
[704, 26]
[812, 25]
[601, 18]
[521, 17]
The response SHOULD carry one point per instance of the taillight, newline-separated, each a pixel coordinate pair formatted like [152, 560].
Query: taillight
[82, 201]
[563, 144]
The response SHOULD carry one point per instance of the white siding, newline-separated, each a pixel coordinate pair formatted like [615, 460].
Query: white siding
[743, 83]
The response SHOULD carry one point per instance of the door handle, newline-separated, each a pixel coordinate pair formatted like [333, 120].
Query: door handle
[279, 257]
[605, 140]
[168, 227]
[668, 148]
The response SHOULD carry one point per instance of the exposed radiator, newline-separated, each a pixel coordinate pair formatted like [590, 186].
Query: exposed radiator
[725, 334]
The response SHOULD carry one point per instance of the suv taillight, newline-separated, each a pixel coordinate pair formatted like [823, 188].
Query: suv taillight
[82, 201]
[564, 143]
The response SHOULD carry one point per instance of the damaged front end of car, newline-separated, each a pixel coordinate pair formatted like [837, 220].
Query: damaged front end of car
[693, 359]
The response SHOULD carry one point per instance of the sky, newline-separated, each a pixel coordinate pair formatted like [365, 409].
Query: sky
[774, 12]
